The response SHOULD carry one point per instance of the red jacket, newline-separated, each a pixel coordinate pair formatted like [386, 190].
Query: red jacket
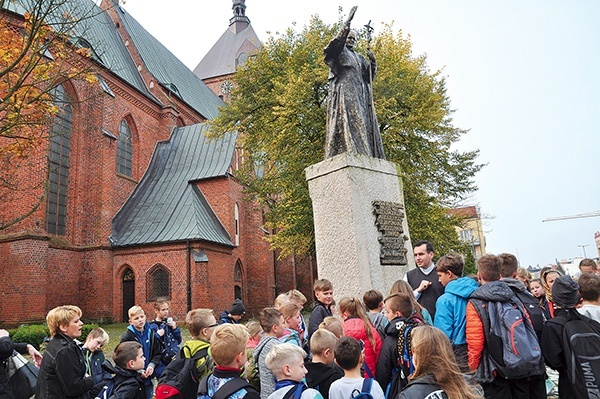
[355, 327]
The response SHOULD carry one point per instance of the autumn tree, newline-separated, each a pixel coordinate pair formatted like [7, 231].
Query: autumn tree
[42, 46]
[279, 106]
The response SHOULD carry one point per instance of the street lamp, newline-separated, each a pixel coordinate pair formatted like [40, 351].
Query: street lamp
[583, 247]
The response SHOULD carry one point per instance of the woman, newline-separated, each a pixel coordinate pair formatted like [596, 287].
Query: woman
[436, 373]
[63, 372]
[358, 325]
[7, 346]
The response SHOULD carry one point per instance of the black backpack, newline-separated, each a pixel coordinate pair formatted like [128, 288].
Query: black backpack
[532, 306]
[225, 391]
[180, 378]
[365, 392]
[581, 347]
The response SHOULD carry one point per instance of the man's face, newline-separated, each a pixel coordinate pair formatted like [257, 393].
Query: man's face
[350, 40]
[422, 257]
[587, 269]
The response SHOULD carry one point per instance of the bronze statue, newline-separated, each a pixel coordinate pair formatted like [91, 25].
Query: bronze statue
[351, 121]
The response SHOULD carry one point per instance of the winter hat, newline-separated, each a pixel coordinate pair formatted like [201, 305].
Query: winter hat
[565, 292]
[237, 307]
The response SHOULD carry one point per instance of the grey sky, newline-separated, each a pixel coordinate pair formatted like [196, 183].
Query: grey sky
[521, 75]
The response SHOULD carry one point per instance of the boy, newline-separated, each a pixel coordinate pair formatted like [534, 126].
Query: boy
[451, 306]
[324, 294]
[139, 330]
[233, 316]
[399, 311]
[271, 320]
[349, 356]
[94, 358]
[298, 298]
[374, 303]
[201, 325]
[589, 288]
[129, 360]
[286, 362]
[167, 330]
[322, 371]
[228, 347]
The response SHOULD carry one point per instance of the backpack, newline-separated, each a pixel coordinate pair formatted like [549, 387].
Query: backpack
[180, 378]
[106, 390]
[512, 342]
[581, 346]
[405, 366]
[255, 379]
[225, 391]
[365, 392]
[532, 306]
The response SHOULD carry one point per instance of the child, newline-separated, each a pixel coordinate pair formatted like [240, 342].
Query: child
[537, 290]
[394, 365]
[322, 307]
[129, 361]
[374, 303]
[286, 362]
[436, 374]
[228, 347]
[233, 316]
[349, 356]
[358, 325]
[524, 276]
[250, 371]
[451, 306]
[589, 288]
[322, 371]
[292, 320]
[548, 278]
[271, 320]
[334, 325]
[201, 324]
[298, 298]
[167, 330]
[139, 330]
[403, 287]
[94, 357]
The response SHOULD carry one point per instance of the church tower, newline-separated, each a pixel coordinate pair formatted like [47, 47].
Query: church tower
[233, 48]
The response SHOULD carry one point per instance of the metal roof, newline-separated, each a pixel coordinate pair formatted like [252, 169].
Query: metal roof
[167, 206]
[221, 58]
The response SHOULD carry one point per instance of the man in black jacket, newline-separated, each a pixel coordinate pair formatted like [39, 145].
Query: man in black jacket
[423, 279]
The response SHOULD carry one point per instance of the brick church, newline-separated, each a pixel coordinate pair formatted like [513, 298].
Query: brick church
[138, 202]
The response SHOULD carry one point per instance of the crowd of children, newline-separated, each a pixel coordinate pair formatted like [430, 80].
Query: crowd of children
[378, 348]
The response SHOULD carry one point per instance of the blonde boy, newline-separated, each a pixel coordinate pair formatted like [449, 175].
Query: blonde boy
[201, 325]
[286, 362]
[228, 346]
[324, 294]
[321, 370]
[139, 330]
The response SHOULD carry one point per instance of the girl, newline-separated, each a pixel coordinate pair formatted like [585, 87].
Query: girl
[547, 281]
[524, 276]
[293, 324]
[358, 325]
[250, 371]
[402, 287]
[436, 373]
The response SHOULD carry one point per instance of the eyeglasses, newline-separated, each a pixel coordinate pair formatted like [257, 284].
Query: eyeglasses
[212, 325]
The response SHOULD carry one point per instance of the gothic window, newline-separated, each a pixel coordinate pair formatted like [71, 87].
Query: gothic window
[237, 271]
[58, 164]
[158, 283]
[124, 149]
[236, 213]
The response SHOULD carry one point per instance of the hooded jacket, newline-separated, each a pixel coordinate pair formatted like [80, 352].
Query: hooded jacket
[451, 309]
[128, 383]
[321, 375]
[422, 388]
[355, 327]
[206, 364]
[151, 345]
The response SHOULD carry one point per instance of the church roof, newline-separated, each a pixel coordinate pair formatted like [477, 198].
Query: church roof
[167, 206]
[232, 49]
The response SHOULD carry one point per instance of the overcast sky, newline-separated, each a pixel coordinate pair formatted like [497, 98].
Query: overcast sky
[521, 75]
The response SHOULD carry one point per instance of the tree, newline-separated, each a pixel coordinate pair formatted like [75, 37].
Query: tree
[41, 47]
[279, 105]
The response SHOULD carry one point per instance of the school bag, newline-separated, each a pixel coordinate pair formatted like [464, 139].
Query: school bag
[107, 389]
[404, 366]
[180, 379]
[512, 342]
[581, 346]
[365, 392]
[532, 306]
[225, 391]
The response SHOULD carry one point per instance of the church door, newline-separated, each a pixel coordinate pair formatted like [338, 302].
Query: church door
[128, 284]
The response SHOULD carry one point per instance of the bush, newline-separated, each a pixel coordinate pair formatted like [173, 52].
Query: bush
[85, 330]
[36, 333]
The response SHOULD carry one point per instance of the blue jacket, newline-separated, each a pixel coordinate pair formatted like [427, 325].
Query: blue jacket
[451, 309]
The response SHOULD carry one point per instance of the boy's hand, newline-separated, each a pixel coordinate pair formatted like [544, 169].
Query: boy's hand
[148, 372]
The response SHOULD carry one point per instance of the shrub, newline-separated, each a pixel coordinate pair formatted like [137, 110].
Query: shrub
[33, 334]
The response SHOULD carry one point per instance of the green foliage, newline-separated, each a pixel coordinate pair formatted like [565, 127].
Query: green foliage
[470, 264]
[85, 330]
[279, 105]
[33, 334]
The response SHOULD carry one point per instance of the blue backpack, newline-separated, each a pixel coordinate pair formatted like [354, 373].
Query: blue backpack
[225, 391]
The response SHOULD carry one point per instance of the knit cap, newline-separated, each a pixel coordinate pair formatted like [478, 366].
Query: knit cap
[237, 307]
[565, 292]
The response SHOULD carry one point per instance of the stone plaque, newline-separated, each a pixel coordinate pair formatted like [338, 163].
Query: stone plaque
[388, 219]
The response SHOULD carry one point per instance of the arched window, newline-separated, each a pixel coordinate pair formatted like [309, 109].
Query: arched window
[237, 272]
[128, 286]
[58, 163]
[158, 283]
[236, 214]
[124, 149]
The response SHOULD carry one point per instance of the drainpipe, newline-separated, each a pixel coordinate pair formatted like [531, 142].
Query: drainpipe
[189, 276]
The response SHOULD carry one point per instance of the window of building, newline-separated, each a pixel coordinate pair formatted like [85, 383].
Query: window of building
[58, 164]
[236, 213]
[124, 149]
[237, 271]
[466, 235]
[158, 283]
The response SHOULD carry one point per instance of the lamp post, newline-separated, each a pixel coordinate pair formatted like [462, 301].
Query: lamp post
[583, 247]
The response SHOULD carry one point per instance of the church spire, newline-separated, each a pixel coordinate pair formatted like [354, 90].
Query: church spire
[239, 21]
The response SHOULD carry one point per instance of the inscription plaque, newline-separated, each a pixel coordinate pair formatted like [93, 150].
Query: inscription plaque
[388, 219]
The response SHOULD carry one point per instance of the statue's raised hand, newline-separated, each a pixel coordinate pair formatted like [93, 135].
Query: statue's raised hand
[351, 15]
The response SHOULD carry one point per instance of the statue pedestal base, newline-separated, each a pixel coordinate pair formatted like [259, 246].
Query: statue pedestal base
[361, 232]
